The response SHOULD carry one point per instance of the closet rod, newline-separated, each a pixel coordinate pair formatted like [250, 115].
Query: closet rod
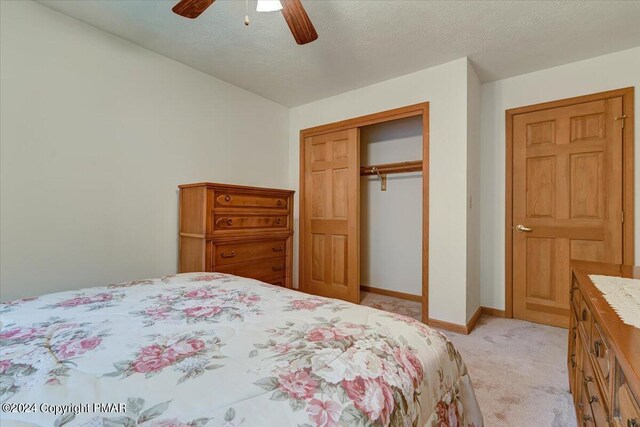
[389, 168]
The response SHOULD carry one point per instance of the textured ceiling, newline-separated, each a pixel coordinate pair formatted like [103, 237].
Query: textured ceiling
[364, 42]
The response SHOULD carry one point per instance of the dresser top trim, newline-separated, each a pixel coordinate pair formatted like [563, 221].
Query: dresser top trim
[235, 187]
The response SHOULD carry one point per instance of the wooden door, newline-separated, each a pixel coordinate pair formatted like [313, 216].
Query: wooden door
[330, 239]
[567, 201]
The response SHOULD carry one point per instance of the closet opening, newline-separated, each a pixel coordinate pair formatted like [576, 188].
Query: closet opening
[364, 210]
[391, 216]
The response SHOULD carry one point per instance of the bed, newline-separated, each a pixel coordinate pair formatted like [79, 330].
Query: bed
[213, 349]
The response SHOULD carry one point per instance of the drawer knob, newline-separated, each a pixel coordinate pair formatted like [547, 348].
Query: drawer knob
[588, 379]
[593, 399]
[278, 267]
[279, 203]
[584, 314]
[277, 249]
[222, 221]
[279, 221]
[227, 198]
[231, 255]
[573, 360]
[586, 418]
[597, 348]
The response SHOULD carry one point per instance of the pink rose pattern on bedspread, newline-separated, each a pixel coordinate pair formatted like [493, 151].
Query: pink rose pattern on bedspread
[44, 352]
[215, 349]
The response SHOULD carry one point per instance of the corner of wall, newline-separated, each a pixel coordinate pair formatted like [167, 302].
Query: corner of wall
[473, 192]
[453, 264]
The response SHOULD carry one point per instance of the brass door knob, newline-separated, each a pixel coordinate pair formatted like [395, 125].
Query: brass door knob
[522, 229]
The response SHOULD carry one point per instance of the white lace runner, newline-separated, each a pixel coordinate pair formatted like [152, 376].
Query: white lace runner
[623, 295]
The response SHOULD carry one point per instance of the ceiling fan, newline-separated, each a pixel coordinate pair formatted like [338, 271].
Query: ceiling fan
[292, 10]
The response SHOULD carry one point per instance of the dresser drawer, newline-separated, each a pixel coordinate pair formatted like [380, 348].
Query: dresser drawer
[584, 320]
[595, 396]
[264, 270]
[249, 222]
[576, 296]
[602, 354]
[584, 413]
[231, 199]
[627, 407]
[574, 355]
[233, 253]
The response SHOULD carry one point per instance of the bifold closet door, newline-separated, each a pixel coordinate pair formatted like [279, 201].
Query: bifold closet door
[331, 215]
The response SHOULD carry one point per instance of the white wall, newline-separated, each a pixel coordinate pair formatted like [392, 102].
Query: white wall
[614, 71]
[391, 221]
[473, 192]
[444, 87]
[96, 135]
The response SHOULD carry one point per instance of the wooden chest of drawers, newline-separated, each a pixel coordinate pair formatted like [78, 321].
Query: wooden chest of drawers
[604, 353]
[246, 231]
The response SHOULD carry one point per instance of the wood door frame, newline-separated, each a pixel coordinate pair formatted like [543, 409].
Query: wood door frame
[628, 247]
[421, 109]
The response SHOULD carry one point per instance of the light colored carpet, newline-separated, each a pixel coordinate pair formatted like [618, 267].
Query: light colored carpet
[518, 368]
[391, 304]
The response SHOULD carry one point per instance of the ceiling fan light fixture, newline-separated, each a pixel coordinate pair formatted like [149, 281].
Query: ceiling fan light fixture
[268, 6]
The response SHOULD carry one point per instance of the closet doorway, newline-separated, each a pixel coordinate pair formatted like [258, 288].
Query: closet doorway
[353, 229]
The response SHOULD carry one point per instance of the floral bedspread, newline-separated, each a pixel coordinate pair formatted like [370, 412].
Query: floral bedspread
[213, 349]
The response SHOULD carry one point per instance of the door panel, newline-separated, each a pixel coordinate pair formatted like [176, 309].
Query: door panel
[567, 189]
[587, 198]
[540, 268]
[541, 198]
[329, 252]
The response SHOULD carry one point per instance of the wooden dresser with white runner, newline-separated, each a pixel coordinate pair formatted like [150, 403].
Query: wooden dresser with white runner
[245, 231]
[604, 352]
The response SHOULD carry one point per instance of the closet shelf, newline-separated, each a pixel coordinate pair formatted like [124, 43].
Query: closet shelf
[389, 168]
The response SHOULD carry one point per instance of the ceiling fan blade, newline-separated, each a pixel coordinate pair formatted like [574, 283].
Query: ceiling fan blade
[192, 8]
[298, 21]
